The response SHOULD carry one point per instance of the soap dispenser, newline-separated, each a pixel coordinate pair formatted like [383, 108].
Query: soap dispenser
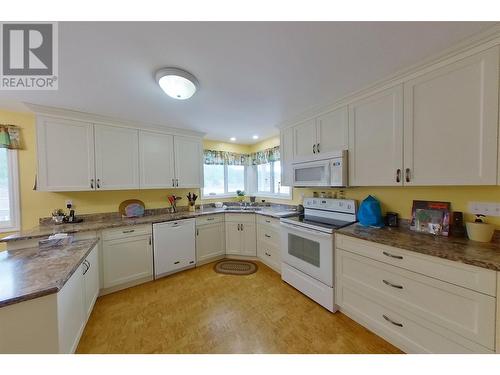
[479, 230]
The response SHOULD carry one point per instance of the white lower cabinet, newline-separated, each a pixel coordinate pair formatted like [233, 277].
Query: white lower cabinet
[241, 234]
[52, 323]
[210, 238]
[127, 257]
[416, 312]
[269, 242]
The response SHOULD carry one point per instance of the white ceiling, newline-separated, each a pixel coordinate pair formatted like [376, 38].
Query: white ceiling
[252, 75]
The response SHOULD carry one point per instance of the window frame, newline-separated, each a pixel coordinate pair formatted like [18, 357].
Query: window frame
[14, 201]
[272, 193]
[226, 194]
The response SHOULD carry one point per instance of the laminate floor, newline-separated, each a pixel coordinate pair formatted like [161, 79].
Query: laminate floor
[200, 311]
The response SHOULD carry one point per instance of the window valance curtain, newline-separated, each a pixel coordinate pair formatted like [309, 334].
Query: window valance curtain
[232, 158]
[9, 137]
[224, 157]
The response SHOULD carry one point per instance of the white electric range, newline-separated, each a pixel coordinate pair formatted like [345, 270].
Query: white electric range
[307, 247]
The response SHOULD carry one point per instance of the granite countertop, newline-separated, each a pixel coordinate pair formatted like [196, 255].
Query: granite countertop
[33, 272]
[485, 255]
[113, 220]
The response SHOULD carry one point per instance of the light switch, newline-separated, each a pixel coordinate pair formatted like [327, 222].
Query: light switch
[484, 208]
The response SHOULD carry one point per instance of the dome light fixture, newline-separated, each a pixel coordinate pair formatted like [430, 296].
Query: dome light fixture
[177, 83]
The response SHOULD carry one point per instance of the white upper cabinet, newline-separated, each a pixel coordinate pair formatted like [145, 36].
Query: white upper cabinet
[305, 139]
[332, 131]
[286, 156]
[65, 155]
[451, 123]
[117, 158]
[375, 139]
[188, 162]
[156, 160]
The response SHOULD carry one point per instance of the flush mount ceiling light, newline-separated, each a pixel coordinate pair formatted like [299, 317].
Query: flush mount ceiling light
[232, 139]
[177, 83]
[255, 137]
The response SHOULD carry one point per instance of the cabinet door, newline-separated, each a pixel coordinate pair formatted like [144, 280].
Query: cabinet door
[451, 121]
[286, 156]
[91, 280]
[65, 153]
[304, 136]
[209, 241]
[71, 312]
[376, 139]
[156, 160]
[188, 162]
[332, 131]
[126, 260]
[248, 239]
[117, 158]
[233, 238]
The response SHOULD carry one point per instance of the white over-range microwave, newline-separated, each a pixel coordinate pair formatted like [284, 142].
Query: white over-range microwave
[328, 172]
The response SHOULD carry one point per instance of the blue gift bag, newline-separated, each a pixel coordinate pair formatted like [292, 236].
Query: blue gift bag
[370, 213]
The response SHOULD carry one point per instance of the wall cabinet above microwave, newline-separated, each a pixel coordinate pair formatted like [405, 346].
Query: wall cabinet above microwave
[320, 135]
[82, 156]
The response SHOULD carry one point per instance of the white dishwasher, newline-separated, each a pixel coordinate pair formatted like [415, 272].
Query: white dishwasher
[174, 246]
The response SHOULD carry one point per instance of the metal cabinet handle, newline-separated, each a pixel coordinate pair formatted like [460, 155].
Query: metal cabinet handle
[98, 183]
[197, 232]
[267, 253]
[176, 262]
[268, 221]
[314, 149]
[129, 231]
[150, 241]
[241, 226]
[317, 148]
[392, 255]
[407, 174]
[86, 263]
[91, 183]
[173, 182]
[398, 175]
[267, 235]
[210, 218]
[238, 227]
[391, 284]
[391, 321]
[176, 182]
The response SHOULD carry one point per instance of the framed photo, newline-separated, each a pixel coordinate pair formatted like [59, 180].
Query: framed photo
[431, 217]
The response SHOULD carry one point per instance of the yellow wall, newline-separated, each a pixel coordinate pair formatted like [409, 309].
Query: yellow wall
[36, 204]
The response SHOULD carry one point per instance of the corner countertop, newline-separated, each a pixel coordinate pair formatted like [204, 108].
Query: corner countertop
[33, 272]
[113, 220]
[479, 254]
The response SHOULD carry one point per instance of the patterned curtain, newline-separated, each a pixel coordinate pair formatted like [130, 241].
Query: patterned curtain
[265, 156]
[9, 137]
[223, 157]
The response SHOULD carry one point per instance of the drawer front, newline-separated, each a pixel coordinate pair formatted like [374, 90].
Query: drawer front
[124, 232]
[475, 278]
[402, 330]
[462, 311]
[240, 218]
[269, 234]
[266, 220]
[269, 254]
[209, 219]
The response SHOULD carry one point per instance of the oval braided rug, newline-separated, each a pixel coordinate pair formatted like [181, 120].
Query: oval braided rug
[235, 267]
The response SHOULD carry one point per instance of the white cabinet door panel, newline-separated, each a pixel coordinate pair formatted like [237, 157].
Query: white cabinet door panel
[248, 239]
[156, 160]
[305, 139]
[91, 280]
[209, 241]
[333, 130]
[451, 123]
[233, 238]
[376, 139]
[65, 151]
[188, 162]
[286, 154]
[117, 158]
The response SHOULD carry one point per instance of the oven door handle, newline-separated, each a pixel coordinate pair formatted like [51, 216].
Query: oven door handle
[306, 230]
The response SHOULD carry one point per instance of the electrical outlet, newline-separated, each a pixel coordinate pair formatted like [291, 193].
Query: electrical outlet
[484, 208]
[69, 202]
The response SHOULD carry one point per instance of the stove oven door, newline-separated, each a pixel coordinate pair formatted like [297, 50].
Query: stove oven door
[309, 251]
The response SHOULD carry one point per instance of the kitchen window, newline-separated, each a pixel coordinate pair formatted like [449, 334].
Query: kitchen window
[269, 181]
[223, 180]
[9, 191]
